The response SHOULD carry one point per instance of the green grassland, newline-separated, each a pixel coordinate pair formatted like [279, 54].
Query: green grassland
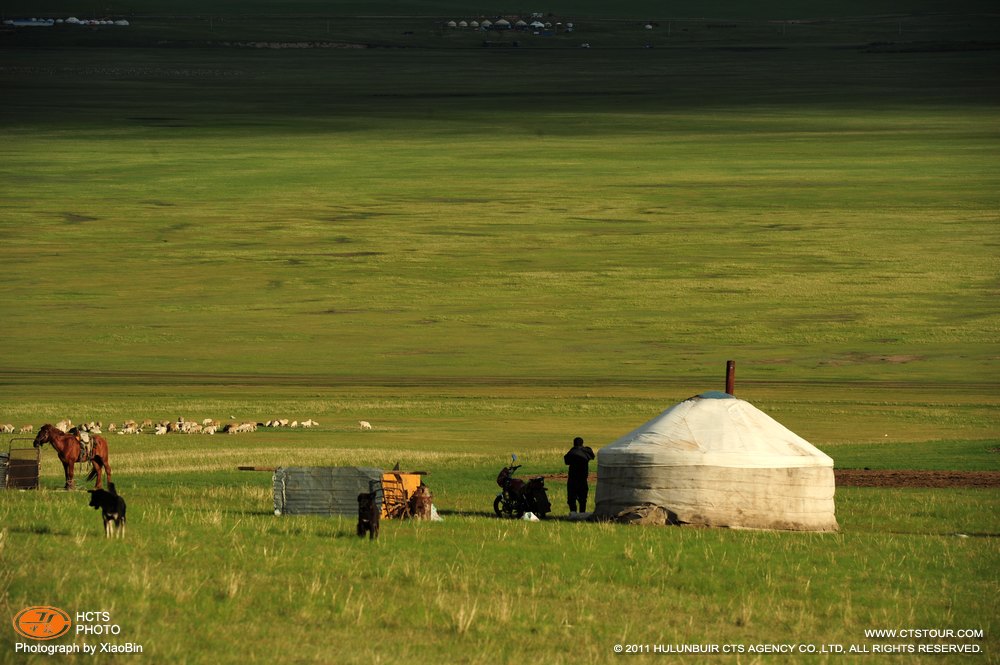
[479, 240]
[486, 251]
[203, 550]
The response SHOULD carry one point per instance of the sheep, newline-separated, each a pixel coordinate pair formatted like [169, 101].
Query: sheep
[160, 430]
[208, 429]
[8, 428]
[234, 428]
[309, 423]
[364, 424]
[206, 422]
[64, 425]
[27, 429]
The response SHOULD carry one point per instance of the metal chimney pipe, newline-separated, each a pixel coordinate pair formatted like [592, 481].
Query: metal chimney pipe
[730, 376]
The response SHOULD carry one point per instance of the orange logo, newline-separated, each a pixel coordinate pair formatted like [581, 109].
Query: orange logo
[42, 623]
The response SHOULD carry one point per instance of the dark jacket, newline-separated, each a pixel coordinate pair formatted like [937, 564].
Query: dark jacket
[578, 459]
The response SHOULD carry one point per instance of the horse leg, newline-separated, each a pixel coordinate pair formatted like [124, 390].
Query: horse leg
[98, 466]
[68, 468]
[97, 470]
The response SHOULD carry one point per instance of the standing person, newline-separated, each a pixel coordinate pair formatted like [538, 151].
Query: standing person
[578, 459]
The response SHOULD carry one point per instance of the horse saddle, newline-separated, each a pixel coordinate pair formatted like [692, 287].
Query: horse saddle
[86, 453]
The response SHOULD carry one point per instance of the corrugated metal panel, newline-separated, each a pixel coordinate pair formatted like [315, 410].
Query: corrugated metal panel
[323, 490]
[22, 470]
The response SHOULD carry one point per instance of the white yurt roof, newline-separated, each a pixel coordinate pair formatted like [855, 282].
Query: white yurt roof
[714, 429]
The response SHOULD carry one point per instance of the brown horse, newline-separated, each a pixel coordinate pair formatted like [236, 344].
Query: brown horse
[68, 447]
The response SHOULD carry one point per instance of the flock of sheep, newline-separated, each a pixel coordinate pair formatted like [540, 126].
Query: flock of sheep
[181, 425]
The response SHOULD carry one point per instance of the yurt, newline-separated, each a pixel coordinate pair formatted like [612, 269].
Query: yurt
[716, 460]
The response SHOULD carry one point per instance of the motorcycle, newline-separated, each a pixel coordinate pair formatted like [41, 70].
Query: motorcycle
[518, 497]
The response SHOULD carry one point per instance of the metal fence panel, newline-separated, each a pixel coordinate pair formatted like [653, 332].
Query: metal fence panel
[323, 490]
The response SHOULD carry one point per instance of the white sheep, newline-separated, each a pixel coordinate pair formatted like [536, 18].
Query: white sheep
[233, 428]
[364, 424]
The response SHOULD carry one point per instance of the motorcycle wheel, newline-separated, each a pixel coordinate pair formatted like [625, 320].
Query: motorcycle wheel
[498, 506]
[504, 509]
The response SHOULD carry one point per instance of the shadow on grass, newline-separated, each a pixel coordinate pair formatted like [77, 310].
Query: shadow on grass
[466, 513]
[492, 515]
[39, 530]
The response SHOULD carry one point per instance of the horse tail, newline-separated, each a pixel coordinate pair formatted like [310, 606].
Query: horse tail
[98, 462]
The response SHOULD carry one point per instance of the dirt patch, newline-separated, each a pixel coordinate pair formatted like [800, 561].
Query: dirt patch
[890, 478]
[862, 358]
[74, 218]
[911, 478]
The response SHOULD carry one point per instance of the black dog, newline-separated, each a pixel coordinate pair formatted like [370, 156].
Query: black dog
[369, 515]
[112, 509]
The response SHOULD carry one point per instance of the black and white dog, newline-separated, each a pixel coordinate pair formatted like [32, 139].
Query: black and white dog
[112, 509]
